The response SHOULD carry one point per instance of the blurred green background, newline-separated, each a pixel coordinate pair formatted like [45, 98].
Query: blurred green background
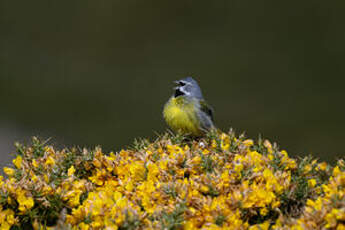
[99, 72]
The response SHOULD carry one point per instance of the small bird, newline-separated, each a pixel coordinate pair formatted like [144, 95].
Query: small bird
[186, 112]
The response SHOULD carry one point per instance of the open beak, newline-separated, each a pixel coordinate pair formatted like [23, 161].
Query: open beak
[177, 83]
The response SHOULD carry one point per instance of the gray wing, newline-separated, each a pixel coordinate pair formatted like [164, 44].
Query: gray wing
[206, 115]
[206, 108]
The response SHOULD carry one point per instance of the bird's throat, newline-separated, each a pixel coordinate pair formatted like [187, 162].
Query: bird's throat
[178, 92]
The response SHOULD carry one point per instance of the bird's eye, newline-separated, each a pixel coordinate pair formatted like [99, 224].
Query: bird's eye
[181, 83]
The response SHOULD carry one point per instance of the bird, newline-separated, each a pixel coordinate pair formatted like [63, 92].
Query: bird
[187, 112]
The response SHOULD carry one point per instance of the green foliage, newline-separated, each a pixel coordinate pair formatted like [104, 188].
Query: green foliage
[170, 190]
[207, 163]
[170, 183]
[174, 219]
[131, 222]
[140, 144]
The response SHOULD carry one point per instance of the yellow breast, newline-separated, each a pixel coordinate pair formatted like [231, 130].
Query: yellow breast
[180, 115]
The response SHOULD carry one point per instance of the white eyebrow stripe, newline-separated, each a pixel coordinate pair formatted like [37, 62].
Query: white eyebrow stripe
[183, 91]
[186, 82]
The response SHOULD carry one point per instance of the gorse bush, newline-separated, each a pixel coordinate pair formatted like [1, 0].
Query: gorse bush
[217, 182]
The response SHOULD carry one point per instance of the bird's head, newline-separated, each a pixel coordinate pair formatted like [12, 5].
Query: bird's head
[187, 87]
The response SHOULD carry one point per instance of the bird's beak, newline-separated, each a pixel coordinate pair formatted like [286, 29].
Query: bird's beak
[177, 83]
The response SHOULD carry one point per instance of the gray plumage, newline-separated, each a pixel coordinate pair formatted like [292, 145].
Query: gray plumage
[189, 88]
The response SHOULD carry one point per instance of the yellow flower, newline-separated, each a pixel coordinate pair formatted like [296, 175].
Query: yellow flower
[18, 162]
[25, 203]
[248, 142]
[34, 163]
[311, 183]
[204, 189]
[47, 190]
[317, 205]
[307, 168]
[336, 171]
[10, 217]
[74, 200]
[97, 163]
[46, 178]
[225, 142]
[153, 171]
[9, 171]
[263, 211]
[71, 171]
[6, 219]
[268, 145]
[84, 226]
[275, 204]
[97, 224]
[189, 225]
[258, 197]
[264, 226]
[331, 218]
[196, 160]
[142, 186]
[238, 167]
[137, 170]
[341, 226]
[205, 151]
[285, 154]
[5, 226]
[129, 186]
[214, 144]
[50, 161]
[322, 166]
